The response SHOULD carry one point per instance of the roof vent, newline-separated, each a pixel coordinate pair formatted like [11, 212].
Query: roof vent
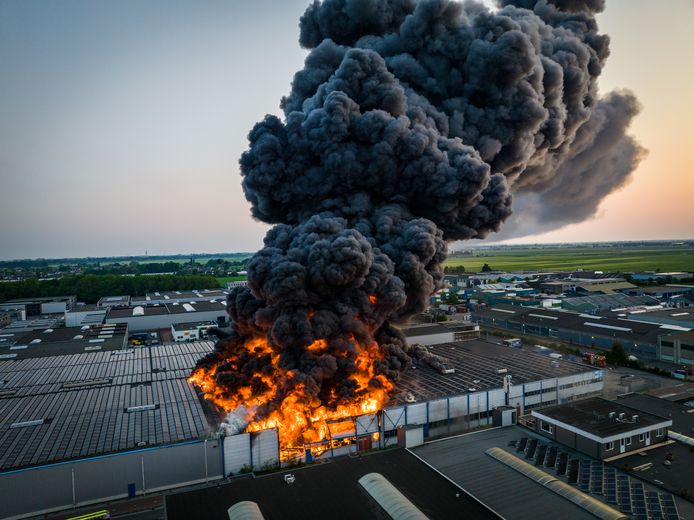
[622, 416]
[611, 415]
[635, 418]
[139, 311]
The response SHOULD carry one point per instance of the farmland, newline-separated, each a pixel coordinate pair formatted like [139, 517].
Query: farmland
[616, 258]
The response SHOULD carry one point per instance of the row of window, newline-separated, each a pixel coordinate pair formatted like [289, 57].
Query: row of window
[660, 432]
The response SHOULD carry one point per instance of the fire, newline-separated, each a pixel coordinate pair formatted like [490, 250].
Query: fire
[276, 397]
[372, 299]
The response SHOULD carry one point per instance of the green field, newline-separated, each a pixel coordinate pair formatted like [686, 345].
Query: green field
[623, 259]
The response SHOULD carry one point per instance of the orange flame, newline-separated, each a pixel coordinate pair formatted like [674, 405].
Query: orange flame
[300, 417]
[372, 299]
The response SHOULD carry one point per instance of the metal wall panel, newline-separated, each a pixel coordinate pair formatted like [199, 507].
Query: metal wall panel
[438, 410]
[417, 413]
[458, 406]
[367, 424]
[393, 417]
[265, 446]
[237, 452]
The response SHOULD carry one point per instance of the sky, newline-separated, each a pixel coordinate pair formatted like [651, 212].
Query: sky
[122, 122]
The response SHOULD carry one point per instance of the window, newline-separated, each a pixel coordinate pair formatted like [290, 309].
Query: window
[546, 427]
[641, 437]
[628, 441]
[660, 432]
[609, 446]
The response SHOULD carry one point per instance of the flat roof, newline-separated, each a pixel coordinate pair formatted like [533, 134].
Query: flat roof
[593, 416]
[475, 363]
[685, 314]
[464, 460]
[63, 339]
[682, 416]
[511, 494]
[674, 477]
[41, 299]
[424, 330]
[625, 329]
[127, 400]
[331, 490]
[165, 308]
[192, 325]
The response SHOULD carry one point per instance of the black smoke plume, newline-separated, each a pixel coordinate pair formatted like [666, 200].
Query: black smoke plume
[409, 126]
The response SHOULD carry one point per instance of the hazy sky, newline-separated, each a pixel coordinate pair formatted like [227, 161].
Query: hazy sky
[121, 122]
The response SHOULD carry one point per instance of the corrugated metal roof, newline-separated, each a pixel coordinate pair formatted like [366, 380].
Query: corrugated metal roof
[83, 401]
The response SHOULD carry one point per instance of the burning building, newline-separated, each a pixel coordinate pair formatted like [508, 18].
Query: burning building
[410, 126]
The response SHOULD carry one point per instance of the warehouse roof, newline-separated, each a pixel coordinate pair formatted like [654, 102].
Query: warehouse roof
[323, 490]
[480, 365]
[80, 405]
[605, 287]
[62, 340]
[165, 308]
[424, 330]
[685, 314]
[628, 330]
[41, 299]
[600, 417]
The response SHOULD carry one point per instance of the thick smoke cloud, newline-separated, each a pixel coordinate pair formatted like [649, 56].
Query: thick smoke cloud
[569, 187]
[409, 126]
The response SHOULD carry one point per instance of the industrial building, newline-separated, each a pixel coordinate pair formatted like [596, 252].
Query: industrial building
[193, 331]
[597, 303]
[68, 420]
[29, 325]
[638, 338]
[662, 292]
[677, 347]
[601, 428]
[524, 476]
[202, 295]
[683, 318]
[428, 334]
[63, 340]
[333, 491]
[163, 316]
[33, 307]
[113, 301]
[85, 315]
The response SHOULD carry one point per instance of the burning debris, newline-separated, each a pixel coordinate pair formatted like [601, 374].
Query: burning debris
[408, 127]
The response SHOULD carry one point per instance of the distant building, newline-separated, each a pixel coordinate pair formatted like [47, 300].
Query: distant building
[85, 315]
[601, 428]
[161, 316]
[62, 340]
[677, 347]
[662, 292]
[40, 306]
[203, 295]
[238, 283]
[637, 337]
[432, 334]
[191, 331]
[113, 301]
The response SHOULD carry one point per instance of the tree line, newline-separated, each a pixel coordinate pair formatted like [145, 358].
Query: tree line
[89, 288]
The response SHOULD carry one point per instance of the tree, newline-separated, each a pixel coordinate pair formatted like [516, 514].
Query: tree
[486, 268]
